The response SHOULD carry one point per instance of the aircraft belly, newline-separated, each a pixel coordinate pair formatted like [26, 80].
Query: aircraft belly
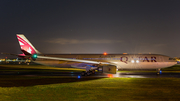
[136, 66]
[145, 65]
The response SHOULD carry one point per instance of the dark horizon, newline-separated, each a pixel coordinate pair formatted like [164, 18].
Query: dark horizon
[92, 26]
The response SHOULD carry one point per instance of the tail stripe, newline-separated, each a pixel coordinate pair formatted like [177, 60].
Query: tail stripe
[22, 40]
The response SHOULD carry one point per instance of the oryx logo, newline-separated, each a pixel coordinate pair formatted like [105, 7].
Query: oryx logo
[29, 50]
[21, 43]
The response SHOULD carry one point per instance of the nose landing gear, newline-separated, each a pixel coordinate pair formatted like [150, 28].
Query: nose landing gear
[159, 71]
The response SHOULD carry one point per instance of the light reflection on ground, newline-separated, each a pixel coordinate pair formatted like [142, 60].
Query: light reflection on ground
[119, 75]
[140, 75]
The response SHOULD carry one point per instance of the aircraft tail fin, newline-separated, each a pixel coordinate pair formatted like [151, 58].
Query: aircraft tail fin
[26, 47]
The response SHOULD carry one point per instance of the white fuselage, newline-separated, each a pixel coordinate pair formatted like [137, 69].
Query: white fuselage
[122, 61]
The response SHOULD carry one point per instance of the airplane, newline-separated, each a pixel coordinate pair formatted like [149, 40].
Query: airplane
[107, 63]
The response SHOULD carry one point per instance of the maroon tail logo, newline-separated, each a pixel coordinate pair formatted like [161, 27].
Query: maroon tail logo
[25, 46]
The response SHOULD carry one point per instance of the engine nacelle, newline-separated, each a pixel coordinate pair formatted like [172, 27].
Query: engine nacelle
[110, 69]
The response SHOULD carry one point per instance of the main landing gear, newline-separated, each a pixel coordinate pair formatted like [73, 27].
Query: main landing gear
[88, 73]
[159, 71]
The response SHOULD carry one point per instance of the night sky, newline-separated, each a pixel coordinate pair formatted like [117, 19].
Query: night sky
[92, 26]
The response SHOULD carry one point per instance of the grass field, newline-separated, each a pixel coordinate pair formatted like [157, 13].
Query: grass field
[58, 88]
[103, 89]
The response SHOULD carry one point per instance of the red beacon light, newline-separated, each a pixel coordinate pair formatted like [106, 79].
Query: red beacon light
[105, 53]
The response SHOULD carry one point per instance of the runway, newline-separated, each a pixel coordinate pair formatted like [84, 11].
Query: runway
[147, 75]
[78, 74]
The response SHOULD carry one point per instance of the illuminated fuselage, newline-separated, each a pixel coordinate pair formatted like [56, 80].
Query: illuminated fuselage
[122, 61]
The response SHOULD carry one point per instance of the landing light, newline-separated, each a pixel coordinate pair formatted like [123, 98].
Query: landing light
[137, 61]
[132, 61]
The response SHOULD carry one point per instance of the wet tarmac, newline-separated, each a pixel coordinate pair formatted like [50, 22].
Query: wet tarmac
[147, 75]
[97, 74]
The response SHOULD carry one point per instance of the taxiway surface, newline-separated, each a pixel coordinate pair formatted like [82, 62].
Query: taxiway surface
[76, 74]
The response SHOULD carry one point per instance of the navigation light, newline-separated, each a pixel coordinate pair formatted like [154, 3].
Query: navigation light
[35, 56]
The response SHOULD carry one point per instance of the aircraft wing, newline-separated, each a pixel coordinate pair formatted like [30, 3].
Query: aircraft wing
[73, 60]
[106, 67]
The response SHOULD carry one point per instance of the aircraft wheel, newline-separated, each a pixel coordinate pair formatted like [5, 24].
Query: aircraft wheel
[88, 73]
[158, 71]
[93, 72]
[83, 73]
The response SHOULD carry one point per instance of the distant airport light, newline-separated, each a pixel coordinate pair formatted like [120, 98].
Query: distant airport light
[137, 61]
[105, 53]
[132, 61]
[79, 77]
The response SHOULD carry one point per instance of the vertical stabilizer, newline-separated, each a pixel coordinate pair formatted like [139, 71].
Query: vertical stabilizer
[26, 47]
